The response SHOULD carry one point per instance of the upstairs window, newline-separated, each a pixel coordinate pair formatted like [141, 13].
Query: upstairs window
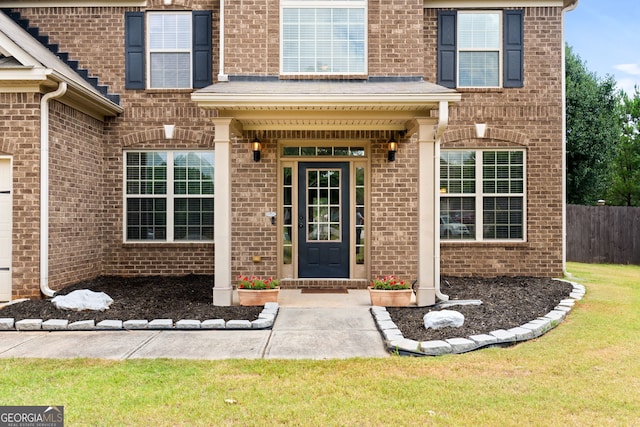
[323, 37]
[480, 49]
[168, 50]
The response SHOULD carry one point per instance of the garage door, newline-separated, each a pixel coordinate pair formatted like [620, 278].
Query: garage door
[6, 213]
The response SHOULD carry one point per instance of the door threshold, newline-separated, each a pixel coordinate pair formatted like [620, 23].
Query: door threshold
[323, 283]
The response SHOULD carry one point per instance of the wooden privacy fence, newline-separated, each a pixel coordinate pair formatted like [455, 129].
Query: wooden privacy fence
[603, 234]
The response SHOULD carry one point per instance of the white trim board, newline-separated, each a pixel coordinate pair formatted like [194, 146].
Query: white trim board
[74, 3]
[490, 4]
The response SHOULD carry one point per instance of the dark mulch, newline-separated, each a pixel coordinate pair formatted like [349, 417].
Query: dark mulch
[507, 302]
[145, 298]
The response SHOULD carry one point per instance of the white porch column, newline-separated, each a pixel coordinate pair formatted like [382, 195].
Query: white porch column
[428, 214]
[222, 290]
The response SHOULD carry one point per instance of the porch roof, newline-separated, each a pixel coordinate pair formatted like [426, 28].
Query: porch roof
[326, 104]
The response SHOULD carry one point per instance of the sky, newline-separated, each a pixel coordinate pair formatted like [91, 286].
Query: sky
[606, 36]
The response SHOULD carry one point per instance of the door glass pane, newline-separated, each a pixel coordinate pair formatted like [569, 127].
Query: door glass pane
[360, 211]
[323, 202]
[287, 208]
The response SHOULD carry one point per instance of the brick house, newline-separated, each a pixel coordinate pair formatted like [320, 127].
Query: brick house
[320, 142]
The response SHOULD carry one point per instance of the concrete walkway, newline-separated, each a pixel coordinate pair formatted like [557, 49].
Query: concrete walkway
[308, 326]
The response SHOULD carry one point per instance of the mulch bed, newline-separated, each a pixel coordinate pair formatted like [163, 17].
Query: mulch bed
[507, 302]
[144, 298]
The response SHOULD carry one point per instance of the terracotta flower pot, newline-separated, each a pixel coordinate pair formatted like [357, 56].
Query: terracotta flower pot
[257, 297]
[387, 298]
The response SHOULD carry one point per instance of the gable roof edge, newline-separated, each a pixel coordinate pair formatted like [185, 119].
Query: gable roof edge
[43, 67]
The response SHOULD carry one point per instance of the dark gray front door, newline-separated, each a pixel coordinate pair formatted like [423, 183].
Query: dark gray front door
[323, 219]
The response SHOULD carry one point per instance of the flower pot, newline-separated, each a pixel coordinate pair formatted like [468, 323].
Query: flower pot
[257, 297]
[387, 298]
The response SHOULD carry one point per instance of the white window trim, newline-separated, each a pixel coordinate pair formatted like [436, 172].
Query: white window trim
[325, 4]
[500, 49]
[479, 196]
[149, 50]
[170, 197]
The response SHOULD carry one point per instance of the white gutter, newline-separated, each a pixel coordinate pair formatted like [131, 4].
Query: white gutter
[222, 77]
[44, 187]
[443, 122]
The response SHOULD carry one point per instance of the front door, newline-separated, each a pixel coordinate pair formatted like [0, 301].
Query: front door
[6, 214]
[323, 220]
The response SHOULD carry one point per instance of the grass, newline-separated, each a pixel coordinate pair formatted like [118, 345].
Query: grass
[585, 372]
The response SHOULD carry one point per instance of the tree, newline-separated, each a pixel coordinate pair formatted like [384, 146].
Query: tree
[593, 130]
[625, 171]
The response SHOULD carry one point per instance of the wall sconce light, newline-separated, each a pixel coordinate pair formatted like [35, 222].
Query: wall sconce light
[168, 131]
[256, 147]
[392, 147]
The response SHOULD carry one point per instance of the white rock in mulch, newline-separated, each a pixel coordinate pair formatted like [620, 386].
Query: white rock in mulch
[83, 299]
[443, 319]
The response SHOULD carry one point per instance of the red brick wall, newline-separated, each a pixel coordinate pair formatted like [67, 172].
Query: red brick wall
[135, 259]
[394, 210]
[139, 127]
[20, 137]
[76, 222]
[252, 46]
[393, 221]
[529, 118]
[254, 192]
[395, 38]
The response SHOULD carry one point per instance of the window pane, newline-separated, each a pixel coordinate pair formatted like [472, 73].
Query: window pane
[170, 70]
[457, 218]
[146, 173]
[196, 176]
[479, 69]
[503, 172]
[503, 218]
[193, 219]
[479, 30]
[169, 31]
[146, 219]
[457, 172]
[323, 40]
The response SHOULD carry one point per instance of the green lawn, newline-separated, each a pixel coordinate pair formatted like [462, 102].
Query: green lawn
[585, 372]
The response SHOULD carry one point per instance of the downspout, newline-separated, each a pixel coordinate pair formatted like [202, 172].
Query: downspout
[443, 122]
[44, 187]
[222, 77]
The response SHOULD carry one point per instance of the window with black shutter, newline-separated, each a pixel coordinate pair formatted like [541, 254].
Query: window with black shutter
[168, 50]
[480, 48]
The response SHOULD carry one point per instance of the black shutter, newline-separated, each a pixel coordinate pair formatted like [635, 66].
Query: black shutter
[202, 61]
[134, 50]
[447, 69]
[513, 48]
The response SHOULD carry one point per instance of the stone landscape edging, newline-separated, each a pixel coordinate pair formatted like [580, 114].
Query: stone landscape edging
[265, 320]
[396, 343]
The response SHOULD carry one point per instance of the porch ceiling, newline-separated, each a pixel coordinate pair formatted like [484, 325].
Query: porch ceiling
[316, 105]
